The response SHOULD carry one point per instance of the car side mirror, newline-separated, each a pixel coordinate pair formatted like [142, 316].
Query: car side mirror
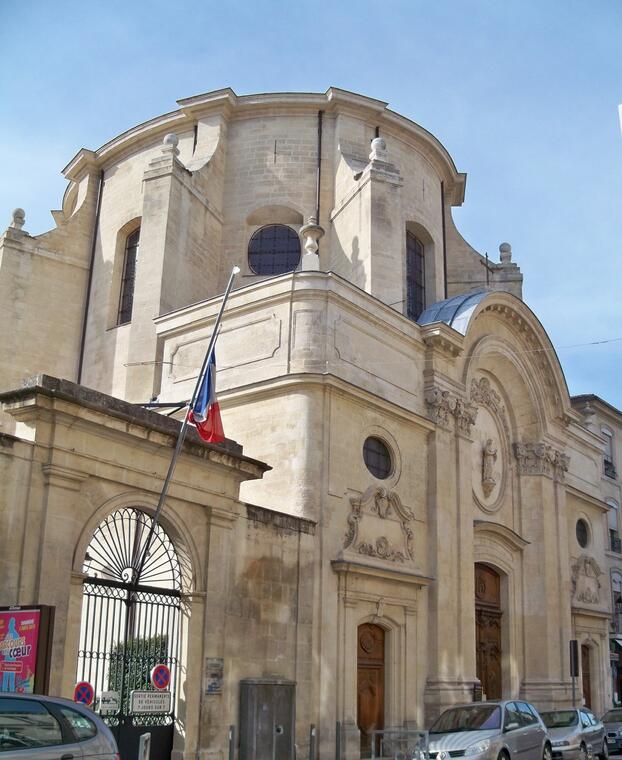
[510, 726]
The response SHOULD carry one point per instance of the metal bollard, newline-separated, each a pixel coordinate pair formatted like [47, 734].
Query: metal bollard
[231, 742]
[144, 746]
[338, 740]
[312, 742]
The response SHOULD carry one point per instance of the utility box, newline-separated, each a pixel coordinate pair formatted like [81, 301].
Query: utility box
[267, 718]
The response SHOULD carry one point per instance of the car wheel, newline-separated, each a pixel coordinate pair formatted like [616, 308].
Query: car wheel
[583, 752]
[547, 753]
[503, 756]
[604, 754]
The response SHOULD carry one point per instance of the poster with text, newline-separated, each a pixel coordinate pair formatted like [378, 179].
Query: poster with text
[19, 632]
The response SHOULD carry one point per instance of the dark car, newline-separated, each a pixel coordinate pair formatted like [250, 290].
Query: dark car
[34, 727]
[613, 728]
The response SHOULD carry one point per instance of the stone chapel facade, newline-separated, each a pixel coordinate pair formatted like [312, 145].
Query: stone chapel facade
[412, 540]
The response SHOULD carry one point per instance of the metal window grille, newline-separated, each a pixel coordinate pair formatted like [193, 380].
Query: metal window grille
[377, 458]
[126, 299]
[274, 249]
[415, 277]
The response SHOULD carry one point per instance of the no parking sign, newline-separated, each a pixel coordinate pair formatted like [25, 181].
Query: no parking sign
[160, 677]
[84, 693]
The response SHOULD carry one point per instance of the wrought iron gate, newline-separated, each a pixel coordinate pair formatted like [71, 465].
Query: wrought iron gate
[131, 623]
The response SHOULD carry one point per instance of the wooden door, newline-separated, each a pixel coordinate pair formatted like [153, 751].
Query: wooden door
[370, 686]
[586, 676]
[488, 615]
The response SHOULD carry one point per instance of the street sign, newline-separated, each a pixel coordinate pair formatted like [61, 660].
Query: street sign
[150, 702]
[160, 677]
[109, 703]
[84, 693]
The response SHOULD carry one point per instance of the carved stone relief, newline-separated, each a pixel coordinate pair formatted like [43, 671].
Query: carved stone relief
[489, 457]
[541, 459]
[585, 580]
[443, 406]
[378, 511]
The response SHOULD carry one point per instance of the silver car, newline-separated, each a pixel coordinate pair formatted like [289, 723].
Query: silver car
[50, 728]
[574, 733]
[612, 721]
[504, 730]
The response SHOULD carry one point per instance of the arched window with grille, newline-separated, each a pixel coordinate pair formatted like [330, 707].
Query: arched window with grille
[128, 278]
[415, 276]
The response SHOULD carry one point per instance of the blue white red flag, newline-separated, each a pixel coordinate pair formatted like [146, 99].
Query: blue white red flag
[205, 414]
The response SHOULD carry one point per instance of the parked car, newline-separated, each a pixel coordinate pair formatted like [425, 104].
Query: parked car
[503, 730]
[612, 721]
[48, 728]
[574, 733]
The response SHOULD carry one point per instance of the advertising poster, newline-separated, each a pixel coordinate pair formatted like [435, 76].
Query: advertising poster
[19, 634]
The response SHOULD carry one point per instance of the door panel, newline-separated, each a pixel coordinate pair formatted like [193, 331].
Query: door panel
[488, 630]
[370, 683]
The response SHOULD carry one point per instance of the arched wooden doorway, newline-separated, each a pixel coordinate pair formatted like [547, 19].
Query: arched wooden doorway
[370, 685]
[488, 630]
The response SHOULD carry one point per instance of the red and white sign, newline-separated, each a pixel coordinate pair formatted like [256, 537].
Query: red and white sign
[160, 677]
[84, 693]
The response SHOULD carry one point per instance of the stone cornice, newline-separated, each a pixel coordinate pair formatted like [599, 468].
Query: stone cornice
[443, 339]
[63, 477]
[393, 574]
[509, 536]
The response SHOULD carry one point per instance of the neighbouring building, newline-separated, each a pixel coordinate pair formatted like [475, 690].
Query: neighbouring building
[418, 516]
[605, 420]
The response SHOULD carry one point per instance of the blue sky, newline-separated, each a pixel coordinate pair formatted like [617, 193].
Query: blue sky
[523, 94]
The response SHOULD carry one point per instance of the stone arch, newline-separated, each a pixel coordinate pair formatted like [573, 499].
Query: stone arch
[275, 214]
[536, 357]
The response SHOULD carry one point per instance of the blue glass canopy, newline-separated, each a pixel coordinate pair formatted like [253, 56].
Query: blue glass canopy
[455, 312]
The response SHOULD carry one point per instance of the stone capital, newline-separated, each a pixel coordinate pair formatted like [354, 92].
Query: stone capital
[541, 459]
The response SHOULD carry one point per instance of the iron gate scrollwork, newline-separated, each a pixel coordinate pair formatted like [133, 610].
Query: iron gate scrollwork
[131, 622]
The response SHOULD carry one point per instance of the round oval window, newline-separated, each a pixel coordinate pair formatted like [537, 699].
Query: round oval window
[583, 534]
[274, 249]
[377, 458]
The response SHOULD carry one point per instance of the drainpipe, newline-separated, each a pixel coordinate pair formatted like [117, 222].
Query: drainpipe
[444, 237]
[90, 275]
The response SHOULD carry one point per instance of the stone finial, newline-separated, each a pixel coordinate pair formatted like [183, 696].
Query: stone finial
[311, 234]
[170, 143]
[378, 150]
[19, 218]
[505, 250]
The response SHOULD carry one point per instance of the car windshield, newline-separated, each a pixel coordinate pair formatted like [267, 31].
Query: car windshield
[560, 718]
[472, 718]
[613, 716]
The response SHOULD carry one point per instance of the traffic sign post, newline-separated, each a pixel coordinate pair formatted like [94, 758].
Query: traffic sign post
[160, 677]
[84, 693]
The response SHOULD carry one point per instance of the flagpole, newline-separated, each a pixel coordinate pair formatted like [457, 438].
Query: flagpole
[184, 425]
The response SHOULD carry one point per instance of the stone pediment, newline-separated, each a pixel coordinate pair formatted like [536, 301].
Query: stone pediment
[379, 526]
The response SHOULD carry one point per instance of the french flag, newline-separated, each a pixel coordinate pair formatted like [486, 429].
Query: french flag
[205, 414]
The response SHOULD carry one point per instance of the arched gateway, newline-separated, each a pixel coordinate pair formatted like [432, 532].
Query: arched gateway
[130, 623]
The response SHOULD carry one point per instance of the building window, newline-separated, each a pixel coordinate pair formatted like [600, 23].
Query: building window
[377, 458]
[610, 470]
[616, 590]
[612, 523]
[583, 533]
[274, 249]
[415, 277]
[126, 299]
